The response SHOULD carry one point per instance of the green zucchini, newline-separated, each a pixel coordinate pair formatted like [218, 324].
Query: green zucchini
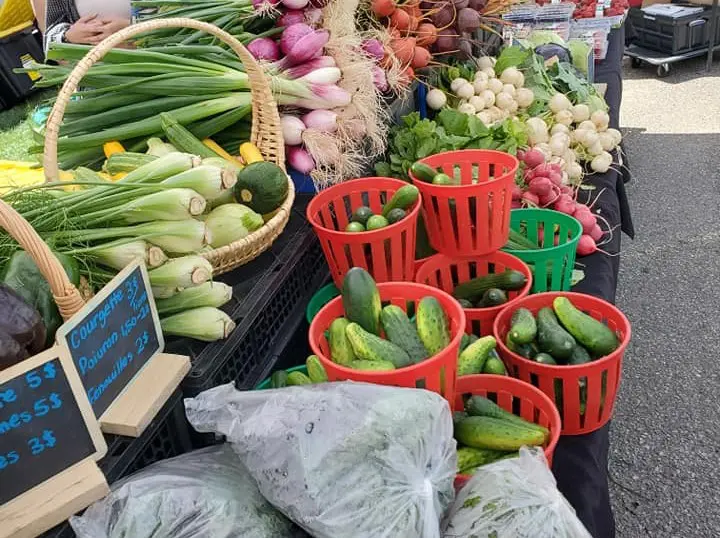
[262, 186]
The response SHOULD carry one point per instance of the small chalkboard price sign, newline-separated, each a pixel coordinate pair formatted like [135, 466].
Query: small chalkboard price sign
[116, 344]
[49, 442]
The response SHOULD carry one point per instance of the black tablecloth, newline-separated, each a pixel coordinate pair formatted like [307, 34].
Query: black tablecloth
[580, 462]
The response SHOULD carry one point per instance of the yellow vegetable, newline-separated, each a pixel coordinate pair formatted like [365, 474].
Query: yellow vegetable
[250, 153]
[211, 144]
[118, 176]
[111, 148]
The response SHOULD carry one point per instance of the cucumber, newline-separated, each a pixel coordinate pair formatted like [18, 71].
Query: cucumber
[354, 227]
[597, 337]
[494, 366]
[464, 342]
[362, 214]
[432, 325]
[378, 366]
[551, 337]
[479, 406]
[519, 240]
[279, 379]
[298, 378]
[442, 179]
[341, 351]
[496, 434]
[493, 297]
[316, 371]
[370, 347]
[423, 249]
[544, 358]
[524, 350]
[376, 222]
[401, 332]
[579, 355]
[403, 198]
[361, 299]
[473, 289]
[472, 359]
[423, 172]
[523, 328]
[465, 303]
[469, 458]
[396, 215]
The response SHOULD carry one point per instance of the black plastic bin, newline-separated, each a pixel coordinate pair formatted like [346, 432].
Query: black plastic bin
[18, 50]
[673, 35]
[168, 435]
[269, 299]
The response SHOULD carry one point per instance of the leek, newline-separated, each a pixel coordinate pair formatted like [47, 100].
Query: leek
[181, 273]
[158, 148]
[119, 254]
[205, 323]
[172, 204]
[231, 222]
[208, 181]
[208, 294]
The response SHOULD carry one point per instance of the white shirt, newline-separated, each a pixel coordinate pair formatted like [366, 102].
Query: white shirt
[118, 8]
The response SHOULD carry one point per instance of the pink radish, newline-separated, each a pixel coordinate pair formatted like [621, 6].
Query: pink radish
[530, 198]
[517, 192]
[528, 174]
[555, 167]
[587, 220]
[596, 233]
[551, 197]
[541, 186]
[516, 204]
[586, 245]
[521, 155]
[565, 204]
[555, 178]
[567, 189]
[534, 157]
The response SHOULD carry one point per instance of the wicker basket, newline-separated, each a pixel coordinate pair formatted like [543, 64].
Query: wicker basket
[265, 133]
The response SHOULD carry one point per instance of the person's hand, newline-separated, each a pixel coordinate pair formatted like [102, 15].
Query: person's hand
[87, 30]
[111, 24]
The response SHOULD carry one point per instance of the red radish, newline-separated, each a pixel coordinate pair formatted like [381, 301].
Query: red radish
[528, 174]
[530, 198]
[541, 186]
[586, 245]
[404, 49]
[596, 233]
[567, 189]
[556, 167]
[382, 8]
[551, 197]
[517, 192]
[421, 58]
[534, 157]
[565, 204]
[555, 178]
[521, 155]
[586, 219]
[400, 19]
[516, 204]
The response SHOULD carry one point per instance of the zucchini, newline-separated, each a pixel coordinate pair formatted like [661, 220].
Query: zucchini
[473, 289]
[341, 351]
[183, 139]
[523, 327]
[403, 198]
[127, 161]
[423, 172]
[432, 325]
[279, 379]
[370, 347]
[597, 337]
[361, 299]
[496, 434]
[262, 186]
[316, 371]
[401, 332]
[479, 406]
[551, 337]
[472, 359]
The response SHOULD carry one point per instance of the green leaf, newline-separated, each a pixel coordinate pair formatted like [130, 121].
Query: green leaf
[383, 169]
[454, 122]
[511, 57]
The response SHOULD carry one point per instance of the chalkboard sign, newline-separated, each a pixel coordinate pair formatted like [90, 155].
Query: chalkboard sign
[46, 424]
[114, 336]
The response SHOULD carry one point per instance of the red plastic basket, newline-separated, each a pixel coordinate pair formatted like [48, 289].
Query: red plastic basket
[388, 254]
[436, 373]
[601, 378]
[471, 218]
[445, 273]
[516, 397]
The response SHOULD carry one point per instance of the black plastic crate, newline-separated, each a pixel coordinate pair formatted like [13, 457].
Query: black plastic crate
[167, 436]
[673, 35]
[18, 50]
[269, 299]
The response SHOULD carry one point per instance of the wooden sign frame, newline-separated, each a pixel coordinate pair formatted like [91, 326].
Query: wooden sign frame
[57, 498]
[141, 399]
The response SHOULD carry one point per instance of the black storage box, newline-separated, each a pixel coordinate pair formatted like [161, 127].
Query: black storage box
[17, 50]
[673, 35]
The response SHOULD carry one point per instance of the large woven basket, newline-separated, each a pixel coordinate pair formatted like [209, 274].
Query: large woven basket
[265, 133]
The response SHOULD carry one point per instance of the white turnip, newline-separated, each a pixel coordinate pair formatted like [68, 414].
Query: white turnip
[559, 102]
[504, 101]
[580, 113]
[456, 84]
[601, 119]
[495, 85]
[564, 117]
[478, 102]
[465, 91]
[490, 72]
[537, 130]
[559, 144]
[601, 162]
[617, 136]
[524, 97]
[489, 98]
[509, 89]
[560, 128]
[511, 75]
[480, 85]
[436, 99]
[485, 117]
[485, 62]
[595, 149]
[466, 108]
[574, 171]
[607, 141]
[587, 125]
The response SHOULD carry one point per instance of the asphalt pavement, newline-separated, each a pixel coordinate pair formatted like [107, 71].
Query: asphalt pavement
[665, 447]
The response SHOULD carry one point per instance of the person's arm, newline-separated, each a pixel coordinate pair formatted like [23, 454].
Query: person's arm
[38, 7]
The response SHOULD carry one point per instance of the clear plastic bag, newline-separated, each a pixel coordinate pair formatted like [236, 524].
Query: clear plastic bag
[513, 498]
[342, 460]
[202, 494]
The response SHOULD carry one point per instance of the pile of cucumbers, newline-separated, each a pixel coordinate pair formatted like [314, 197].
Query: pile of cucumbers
[485, 433]
[561, 335]
[376, 338]
[363, 219]
[489, 290]
[478, 356]
[315, 374]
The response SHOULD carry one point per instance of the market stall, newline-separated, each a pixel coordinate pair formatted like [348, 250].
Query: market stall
[196, 187]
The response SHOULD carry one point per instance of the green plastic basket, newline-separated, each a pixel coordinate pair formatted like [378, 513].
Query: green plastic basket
[553, 266]
[266, 384]
[322, 297]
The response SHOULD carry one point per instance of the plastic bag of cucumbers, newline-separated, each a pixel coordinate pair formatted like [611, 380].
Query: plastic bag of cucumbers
[513, 498]
[341, 460]
[202, 494]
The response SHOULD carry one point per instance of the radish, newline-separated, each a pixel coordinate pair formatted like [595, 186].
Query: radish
[596, 233]
[586, 246]
[520, 155]
[533, 158]
[565, 204]
[555, 178]
[541, 186]
[516, 204]
[551, 197]
[530, 199]
[586, 219]
[517, 192]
